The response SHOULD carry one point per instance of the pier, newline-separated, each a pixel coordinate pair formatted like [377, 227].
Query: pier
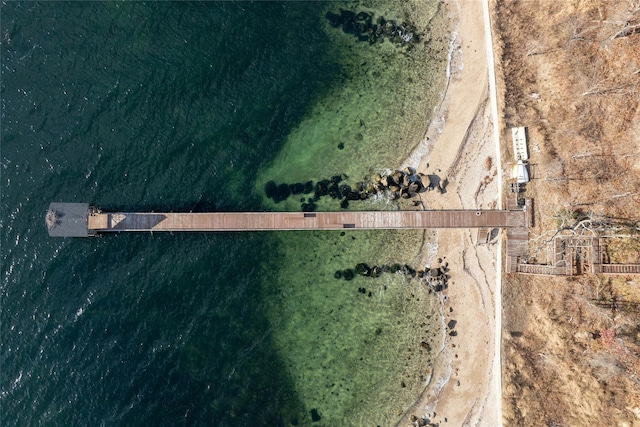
[81, 220]
[84, 220]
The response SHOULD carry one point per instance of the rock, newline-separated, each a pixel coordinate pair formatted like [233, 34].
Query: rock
[425, 345]
[452, 324]
[352, 195]
[394, 188]
[409, 271]
[315, 416]
[308, 207]
[359, 136]
[334, 19]
[348, 274]
[336, 179]
[337, 274]
[406, 180]
[375, 271]
[409, 170]
[413, 189]
[322, 188]
[377, 177]
[344, 204]
[334, 191]
[434, 181]
[270, 189]
[384, 181]
[363, 269]
[370, 189]
[297, 188]
[308, 187]
[341, 146]
[281, 193]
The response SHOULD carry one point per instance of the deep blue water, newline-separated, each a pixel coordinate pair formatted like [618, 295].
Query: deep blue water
[157, 105]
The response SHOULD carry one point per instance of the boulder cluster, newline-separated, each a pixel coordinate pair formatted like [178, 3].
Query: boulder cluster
[404, 183]
[397, 184]
[365, 29]
[365, 270]
[437, 277]
[333, 188]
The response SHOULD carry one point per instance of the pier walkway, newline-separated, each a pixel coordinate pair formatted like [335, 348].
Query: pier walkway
[95, 221]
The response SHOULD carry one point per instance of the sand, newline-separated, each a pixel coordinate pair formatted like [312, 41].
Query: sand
[465, 384]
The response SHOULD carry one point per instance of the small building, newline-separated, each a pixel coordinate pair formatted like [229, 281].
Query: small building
[521, 173]
[519, 136]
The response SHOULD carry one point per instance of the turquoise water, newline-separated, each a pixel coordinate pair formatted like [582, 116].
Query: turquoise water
[195, 106]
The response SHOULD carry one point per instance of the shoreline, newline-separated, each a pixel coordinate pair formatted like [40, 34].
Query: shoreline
[457, 146]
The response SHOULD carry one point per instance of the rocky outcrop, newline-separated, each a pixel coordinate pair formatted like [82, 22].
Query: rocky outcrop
[396, 184]
[363, 26]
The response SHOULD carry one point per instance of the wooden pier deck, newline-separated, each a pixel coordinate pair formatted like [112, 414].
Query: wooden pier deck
[263, 221]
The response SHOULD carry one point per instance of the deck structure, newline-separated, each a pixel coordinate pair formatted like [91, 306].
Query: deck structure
[95, 221]
[573, 256]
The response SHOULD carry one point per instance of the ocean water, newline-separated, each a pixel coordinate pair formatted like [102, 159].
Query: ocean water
[195, 106]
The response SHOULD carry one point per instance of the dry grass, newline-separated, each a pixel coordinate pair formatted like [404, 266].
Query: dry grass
[571, 347]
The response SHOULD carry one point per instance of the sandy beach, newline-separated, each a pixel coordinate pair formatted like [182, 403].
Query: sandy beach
[459, 147]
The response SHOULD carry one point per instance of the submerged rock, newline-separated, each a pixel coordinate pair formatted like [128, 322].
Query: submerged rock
[308, 187]
[363, 269]
[315, 415]
[375, 271]
[297, 188]
[362, 26]
[322, 188]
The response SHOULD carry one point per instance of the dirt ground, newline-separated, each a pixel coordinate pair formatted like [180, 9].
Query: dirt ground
[570, 73]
